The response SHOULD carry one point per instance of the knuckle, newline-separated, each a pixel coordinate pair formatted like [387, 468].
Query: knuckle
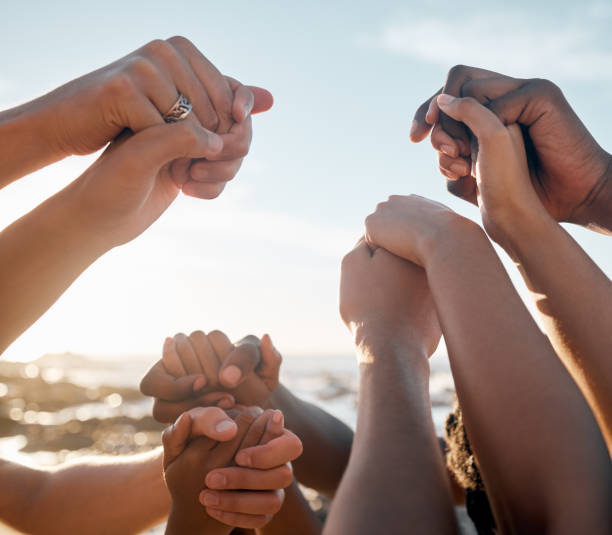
[199, 334]
[457, 71]
[180, 41]
[285, 476]
[547, 88]
[143, 67]
[121, 86]
[157, 47]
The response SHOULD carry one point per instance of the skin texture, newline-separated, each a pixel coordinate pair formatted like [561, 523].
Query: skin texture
[205, 358]
[570, 172]
[130, 185]
[573, 296]
[189, 456]
[525, 413]
[37, 495]
[386, 304]
[132, 94]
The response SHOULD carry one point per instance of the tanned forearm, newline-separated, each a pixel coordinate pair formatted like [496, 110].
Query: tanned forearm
[532, 431]
[574, 299]
[122, 495]
[41, 254]
[326, 441]
[24, 146]
[396, 480]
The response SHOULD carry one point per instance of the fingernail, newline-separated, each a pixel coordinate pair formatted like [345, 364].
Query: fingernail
[225, 425]
[277, 417]
[459, 169]
[199, 383]
[247, 108]
[209, 498]
[232, 375]
[445, 100]
[243, 459]
[167, 340]
[448, 150]
[414, 127]
[217, 481]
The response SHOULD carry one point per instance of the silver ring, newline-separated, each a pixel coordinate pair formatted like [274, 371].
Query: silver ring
[179, 110]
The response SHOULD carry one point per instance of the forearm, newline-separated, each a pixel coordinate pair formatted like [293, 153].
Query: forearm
[574, 299]
[295, 517]
[326, 441]
[124, 496]
[41, 254]
[396, 480]
[520, 406]
[25, 146]
[595, 212]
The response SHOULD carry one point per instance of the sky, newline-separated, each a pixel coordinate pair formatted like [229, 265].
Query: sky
[347, 77]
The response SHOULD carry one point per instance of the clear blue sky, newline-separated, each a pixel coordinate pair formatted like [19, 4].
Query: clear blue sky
[347, 77]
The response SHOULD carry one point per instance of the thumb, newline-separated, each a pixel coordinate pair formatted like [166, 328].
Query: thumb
[480, 120]
[212, 422]
[271, 359]
[154, 147]
[241, 362]
[175, 437]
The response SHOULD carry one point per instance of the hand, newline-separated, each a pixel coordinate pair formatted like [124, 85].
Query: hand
[188, 458]
[385, 299]
[412, 227]
[200, 364]
[130, 185]
[569, 170]
[505, 195]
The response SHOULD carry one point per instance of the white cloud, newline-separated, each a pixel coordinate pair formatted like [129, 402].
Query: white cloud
[515, 43]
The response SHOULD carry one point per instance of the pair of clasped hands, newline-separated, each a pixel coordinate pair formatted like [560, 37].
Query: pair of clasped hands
[516, 149]
[226, 460]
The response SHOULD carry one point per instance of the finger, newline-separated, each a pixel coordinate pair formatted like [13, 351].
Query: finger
[480, 120]
[175, 437]
[274, 428]
[221, 344]
[212, 422]
[239, 520]
[257, 430]
[160, 384]
[203, 190]
[420, 127]
[453, 167]
[239, 364]
[271, 359]
[238, 478]
[206, 356]
[167, 411]
[465, 188]
[243, 103]
[442, 142]
[278, 451]
[187, 354]
[225, 451]
[215, 84]
[262, 98]
[154, 147]
[484, 90]
[223, 171]
[171, 360]
[236, 142]
[255, 503]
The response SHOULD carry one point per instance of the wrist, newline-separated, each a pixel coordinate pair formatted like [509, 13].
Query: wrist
[461, 233]
[27, 143]
[595, 211]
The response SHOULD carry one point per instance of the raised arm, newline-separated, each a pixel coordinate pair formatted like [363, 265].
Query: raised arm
[395, 481]
[535, 439]
[121, 495]
[132, 93]
[573, 296]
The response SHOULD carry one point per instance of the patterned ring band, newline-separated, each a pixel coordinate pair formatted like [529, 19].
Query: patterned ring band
[180, 109]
